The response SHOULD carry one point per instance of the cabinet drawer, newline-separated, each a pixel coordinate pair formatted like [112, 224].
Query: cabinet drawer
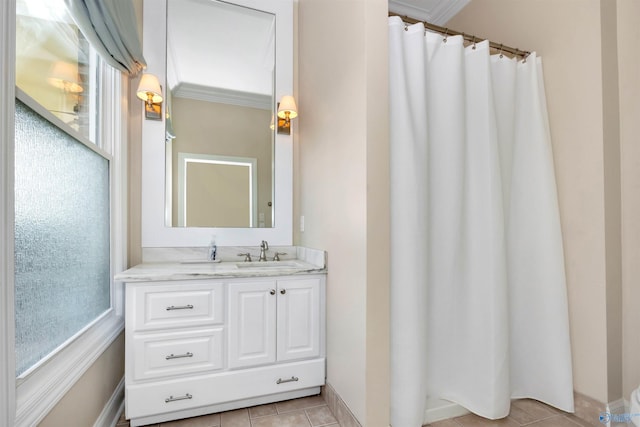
[166, 396]
[182, 304]
[177, 353]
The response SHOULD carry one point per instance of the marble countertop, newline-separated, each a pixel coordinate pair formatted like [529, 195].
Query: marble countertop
[307, 262]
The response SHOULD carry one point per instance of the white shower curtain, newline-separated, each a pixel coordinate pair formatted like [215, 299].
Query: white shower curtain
[478, 297]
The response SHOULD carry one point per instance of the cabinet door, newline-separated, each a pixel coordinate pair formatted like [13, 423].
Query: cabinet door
[298, 318]
[252, 324]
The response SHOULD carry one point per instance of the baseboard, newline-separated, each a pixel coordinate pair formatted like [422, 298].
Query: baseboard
[112, 410]
[619, 406]
[338, 408]
[617, 412]
[438, 410]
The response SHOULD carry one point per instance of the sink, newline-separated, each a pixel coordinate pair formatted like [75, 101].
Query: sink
[200, 262]
[268, 264]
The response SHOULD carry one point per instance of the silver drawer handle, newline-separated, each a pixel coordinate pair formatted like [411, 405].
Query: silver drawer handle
[175, 399]
[288, 380]
[180, 307]
[178, 356]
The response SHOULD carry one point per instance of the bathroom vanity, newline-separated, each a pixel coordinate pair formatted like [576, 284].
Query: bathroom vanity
[203, 337]
[206, 337]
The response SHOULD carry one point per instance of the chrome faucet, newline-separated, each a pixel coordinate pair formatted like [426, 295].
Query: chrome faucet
[264, 247]
[247, 256]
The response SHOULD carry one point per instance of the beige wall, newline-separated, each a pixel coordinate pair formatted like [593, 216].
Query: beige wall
[577, 40]
[612, 201]
[134, 165]
[629, 81]
[84, 402]
[342, 189]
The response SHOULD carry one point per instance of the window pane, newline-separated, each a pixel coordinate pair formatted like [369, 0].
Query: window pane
[54, 63]
[62, 268]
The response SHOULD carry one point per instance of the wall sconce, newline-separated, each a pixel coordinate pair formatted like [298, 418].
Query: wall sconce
[64, 75]
[287, 110]
[150, 91]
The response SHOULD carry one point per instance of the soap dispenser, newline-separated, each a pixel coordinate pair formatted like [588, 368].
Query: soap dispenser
[213, 249]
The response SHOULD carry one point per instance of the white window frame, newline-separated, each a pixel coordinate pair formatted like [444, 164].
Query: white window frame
[27, 400]
[7, 130]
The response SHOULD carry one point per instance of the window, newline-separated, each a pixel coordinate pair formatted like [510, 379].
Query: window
[69, 209]
[55, 64]
[62, 201]
[62, 236]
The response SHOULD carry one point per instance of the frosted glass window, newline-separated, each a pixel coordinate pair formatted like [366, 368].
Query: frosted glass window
[62, 237]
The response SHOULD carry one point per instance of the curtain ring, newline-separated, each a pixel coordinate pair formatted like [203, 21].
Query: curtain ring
[444, 40]
[406, 27]
[474, 43]
[501, 55]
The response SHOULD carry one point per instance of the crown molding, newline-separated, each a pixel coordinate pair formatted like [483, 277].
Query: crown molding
[437, 12]
[222, 96]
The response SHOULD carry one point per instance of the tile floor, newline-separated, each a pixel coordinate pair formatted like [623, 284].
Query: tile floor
[526, 412]
[313, 412]
[304, 412]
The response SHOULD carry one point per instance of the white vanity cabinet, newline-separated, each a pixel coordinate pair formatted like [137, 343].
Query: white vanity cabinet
[201, 346]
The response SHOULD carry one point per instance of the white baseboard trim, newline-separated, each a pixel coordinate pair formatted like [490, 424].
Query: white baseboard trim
[111, 413]
[438, 410]
[620, 408]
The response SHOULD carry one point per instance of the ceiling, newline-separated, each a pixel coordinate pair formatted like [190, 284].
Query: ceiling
[225, 53]
[436, 12]
[220, 52]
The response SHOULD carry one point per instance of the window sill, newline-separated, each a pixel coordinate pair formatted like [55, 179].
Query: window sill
[38, 390]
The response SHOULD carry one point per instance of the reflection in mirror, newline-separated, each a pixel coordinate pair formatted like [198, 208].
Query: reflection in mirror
[219, 107]
[203, 177]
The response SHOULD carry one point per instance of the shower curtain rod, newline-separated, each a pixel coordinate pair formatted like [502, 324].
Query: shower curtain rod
[468, 37]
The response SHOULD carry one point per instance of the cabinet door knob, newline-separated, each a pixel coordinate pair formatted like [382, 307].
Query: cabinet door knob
[272, 292]
[283, 291]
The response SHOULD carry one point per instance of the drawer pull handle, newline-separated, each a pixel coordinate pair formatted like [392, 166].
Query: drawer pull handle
[175, 399]
[180, 307]
[178, 356]
[288, 380]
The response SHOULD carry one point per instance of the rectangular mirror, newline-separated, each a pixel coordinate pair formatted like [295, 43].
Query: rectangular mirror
[220, 102]
[221, 85]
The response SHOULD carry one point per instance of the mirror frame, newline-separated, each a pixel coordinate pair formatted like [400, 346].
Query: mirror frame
[154, 231]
